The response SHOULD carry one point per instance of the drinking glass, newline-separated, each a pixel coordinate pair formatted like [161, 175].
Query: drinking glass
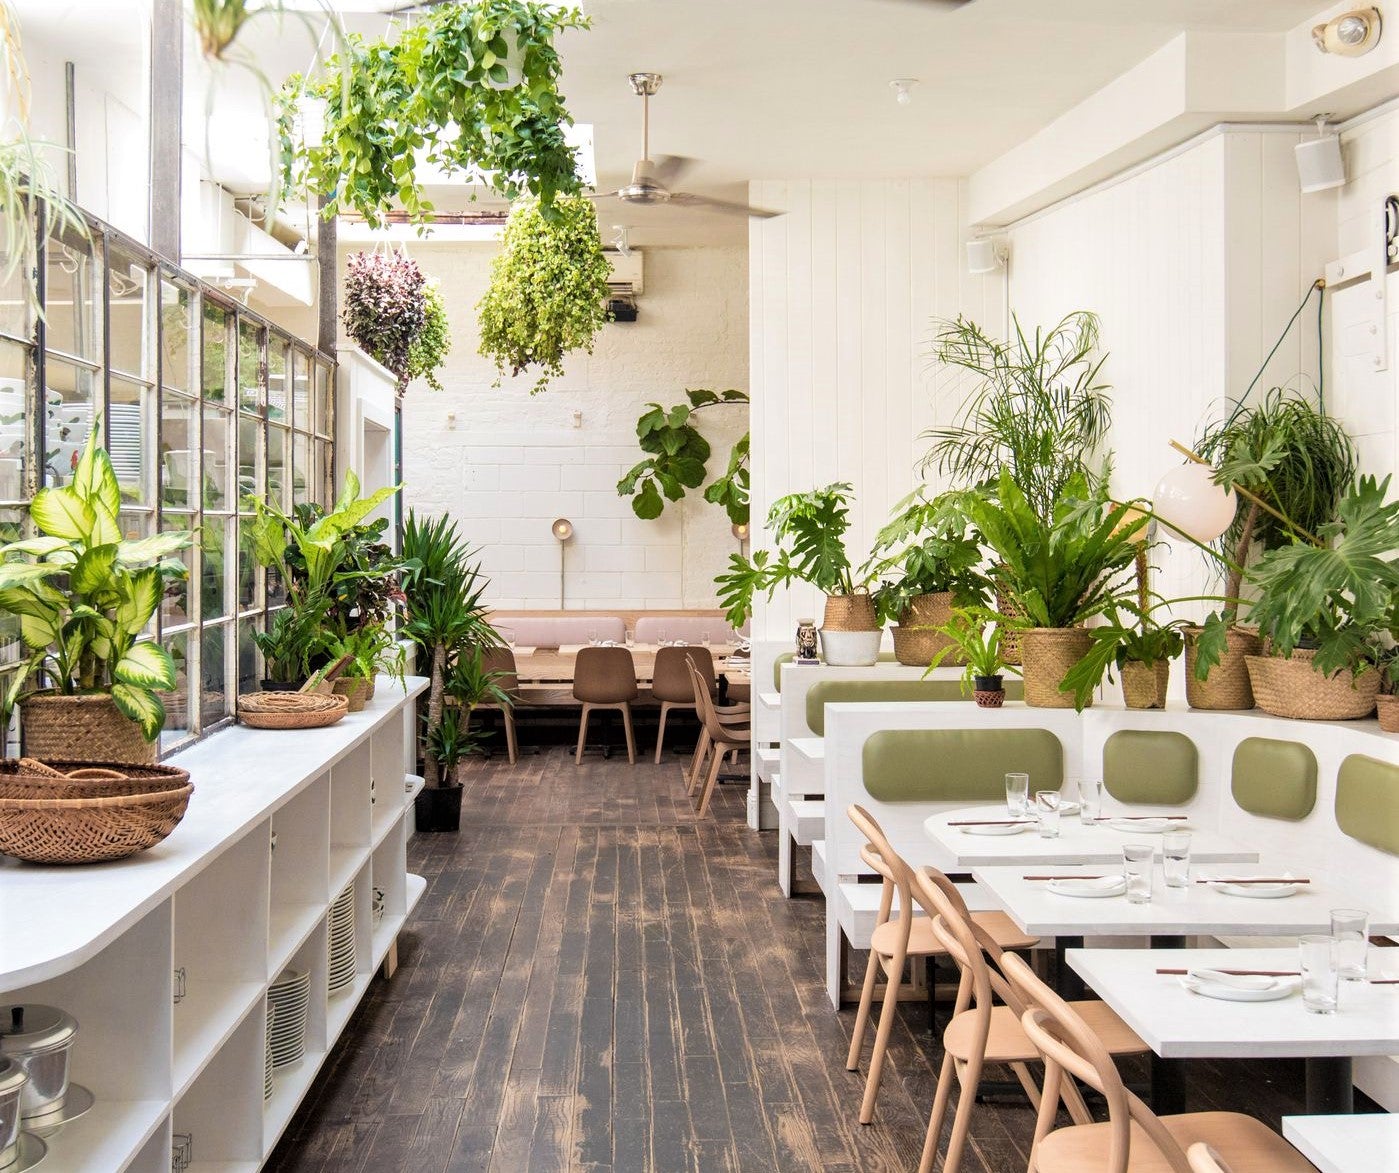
[704, 637]
[1137, 859]
[1320, 974]
[1350, 929]
[631, 638]
[1175, 858]
[1047, 809]
[1018, 795]
[1090, 800]
[592, 636]
[660, 637]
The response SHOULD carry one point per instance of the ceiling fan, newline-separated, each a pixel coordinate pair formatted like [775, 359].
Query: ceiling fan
[651, 179]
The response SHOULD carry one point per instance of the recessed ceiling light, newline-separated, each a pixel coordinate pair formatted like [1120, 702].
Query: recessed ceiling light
[903, 89]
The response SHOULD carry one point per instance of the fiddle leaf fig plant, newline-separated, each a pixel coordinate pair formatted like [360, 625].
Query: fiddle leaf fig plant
[677, 457]
[548, 289]
[85, 596]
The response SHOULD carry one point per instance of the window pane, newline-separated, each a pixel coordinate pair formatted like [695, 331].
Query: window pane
[303, 474]
[175, 321]
[249, 457]
[327, 481]
[215, 382]
[301, 391]
[14, 364]
[213, 666]
[218, 460]
[325, 400]
[16, 310]
[215, 599]
[278, 465]
[70, 302]
[175, 606]
[248, 671]
[128, 290]
[177, 707]
[68, 416]
[11, 649]
[179, 454]
[252, 368]
[130, 438]
[247, 570]
[277, 380]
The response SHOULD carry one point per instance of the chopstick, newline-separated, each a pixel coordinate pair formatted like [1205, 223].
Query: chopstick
[1147, 818]
[1384, 981]
[1256, 880]
[991, 823]
[1075, 876]
[1235, 972]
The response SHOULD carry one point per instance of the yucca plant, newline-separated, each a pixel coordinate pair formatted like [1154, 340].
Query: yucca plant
[85, 597]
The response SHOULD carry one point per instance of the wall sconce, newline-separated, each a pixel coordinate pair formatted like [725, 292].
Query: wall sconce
[1319, 162]
[739, 530]
[1351, 34]
[986, 254]
[562, 529]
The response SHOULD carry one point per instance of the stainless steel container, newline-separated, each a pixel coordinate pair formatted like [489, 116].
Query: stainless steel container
[12, 1081]
[38, 1038]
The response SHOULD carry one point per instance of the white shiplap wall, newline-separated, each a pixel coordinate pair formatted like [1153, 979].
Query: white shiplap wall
[841, 293]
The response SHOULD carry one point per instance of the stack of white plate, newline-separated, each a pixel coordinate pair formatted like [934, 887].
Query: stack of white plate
[287, 1000]
[267, 1070]
[341, 932]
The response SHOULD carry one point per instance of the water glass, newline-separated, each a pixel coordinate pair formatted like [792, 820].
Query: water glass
[1175, 858]
[1137, 860]
[1320, 973]
[1090, 800]
[1047, 810]
[1018, 795]
[660, 637]
[592, 636]
[704, 638]
[1350, 929]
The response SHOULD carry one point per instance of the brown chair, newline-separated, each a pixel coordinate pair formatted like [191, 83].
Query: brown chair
[982, 1032]
[894, 940]
[604, 678]
[1134, 1139]
[672, 686]
[501, 663]
[1204, 1159]
[720, 738]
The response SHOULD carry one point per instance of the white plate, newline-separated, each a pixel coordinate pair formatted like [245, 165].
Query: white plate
[997, 829]
[1069, 807]
[1094, 888]
[1257, 891]
[1148, 826]
[1276, 989]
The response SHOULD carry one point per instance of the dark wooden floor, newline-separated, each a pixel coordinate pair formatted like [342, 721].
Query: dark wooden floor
[597, 980]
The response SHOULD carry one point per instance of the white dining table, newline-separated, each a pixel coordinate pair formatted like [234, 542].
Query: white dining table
[1100, 843]
[1178, 1024]
[1362, 1143]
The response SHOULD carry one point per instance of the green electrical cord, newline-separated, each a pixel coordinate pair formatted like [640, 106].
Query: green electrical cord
[1317, 287]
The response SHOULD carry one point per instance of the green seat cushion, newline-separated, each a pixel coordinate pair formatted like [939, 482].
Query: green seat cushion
[832, 692]
[1273, 778]
[1146, 765]
[958, 765]
[1367, 801]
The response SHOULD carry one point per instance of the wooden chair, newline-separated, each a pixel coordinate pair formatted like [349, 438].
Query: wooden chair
[982, 1032]
[720, 740]
[605, 678]
[1134, 1139]
[672, 686]
[501, 662]
[1204, 1159]
[895, 939]
[735, 716]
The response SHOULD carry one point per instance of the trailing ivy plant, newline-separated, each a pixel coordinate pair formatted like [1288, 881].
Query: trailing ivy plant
[428, 351]
[385, 308]
[470, 88]
[677, 455]
[548, 290]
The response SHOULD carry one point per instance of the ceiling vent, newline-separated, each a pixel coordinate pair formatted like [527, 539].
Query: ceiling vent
[626, 279]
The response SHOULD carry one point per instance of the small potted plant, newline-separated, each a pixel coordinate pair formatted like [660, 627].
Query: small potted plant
[1140, 648]
[1387, 703]
[367, 650]
[976, 636]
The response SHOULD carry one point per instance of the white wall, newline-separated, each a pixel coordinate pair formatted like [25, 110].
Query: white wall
[842, 291]
[509, 464]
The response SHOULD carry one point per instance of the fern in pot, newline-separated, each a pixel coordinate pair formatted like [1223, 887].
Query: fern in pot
[976, 636]
[809, 531]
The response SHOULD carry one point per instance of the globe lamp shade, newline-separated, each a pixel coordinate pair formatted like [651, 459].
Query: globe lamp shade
[1188, 500]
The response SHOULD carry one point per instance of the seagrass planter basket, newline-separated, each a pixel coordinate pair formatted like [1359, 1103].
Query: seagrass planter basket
[84, 725]
[1047, 655]
[1227, 687]
[1292, 687]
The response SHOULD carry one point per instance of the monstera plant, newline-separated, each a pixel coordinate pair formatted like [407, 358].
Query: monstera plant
[85, 597]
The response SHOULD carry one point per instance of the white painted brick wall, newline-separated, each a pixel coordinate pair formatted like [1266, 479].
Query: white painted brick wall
[510, 463]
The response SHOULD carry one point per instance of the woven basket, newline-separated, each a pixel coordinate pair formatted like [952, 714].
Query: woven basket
[83, 813]
[291, 710]
[1011, 645]
[354, 689]
[1388, 707]
[1144, 685]
[1049, 653]
[1293, 688]
[989, 698]
[87, 726]
[1228, 684]
[850, 613]
[915, 643]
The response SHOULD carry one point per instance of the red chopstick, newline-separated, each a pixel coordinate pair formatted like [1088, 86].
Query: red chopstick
[1075, 876]
[1235, 972]
[1148, 818]
[991, 823]
[1256, 880]
[1384, 981]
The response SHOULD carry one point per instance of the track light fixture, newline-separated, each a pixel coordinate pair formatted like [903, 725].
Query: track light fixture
[1351, 34]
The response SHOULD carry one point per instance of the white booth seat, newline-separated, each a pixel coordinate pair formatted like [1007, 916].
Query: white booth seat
[767, 711]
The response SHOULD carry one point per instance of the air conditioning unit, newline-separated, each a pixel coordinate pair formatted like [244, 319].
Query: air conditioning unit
[627, 272]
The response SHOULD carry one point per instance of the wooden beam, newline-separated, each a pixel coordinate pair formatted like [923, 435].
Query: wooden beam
[167, 87]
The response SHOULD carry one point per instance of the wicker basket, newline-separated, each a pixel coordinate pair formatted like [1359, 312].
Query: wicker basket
[1291, 687]
[1388, 707]
[1228, 684]
[850, 613]
[1144, 685]
[87, 726]
[291, 710]
[915, 643]
[1049, 653]
[84, 813]
[1011, 645]
[354, 689]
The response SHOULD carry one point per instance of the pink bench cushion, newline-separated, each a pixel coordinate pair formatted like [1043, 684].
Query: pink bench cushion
[691, 628]
[542, 631]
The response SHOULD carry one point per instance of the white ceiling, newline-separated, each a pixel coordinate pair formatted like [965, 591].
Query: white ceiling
[763, 89]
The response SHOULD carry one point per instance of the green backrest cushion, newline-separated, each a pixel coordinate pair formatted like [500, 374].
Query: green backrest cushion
[831, 692]
[788, 657]
[959, 765]
[1367, 801]
[1144, 765]
[1276, 779]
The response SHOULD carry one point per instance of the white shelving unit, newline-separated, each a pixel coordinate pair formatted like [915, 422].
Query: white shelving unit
[279, 824]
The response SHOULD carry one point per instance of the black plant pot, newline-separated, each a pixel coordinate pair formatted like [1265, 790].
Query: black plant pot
[278, 686]
[438, 809]
[988, 683]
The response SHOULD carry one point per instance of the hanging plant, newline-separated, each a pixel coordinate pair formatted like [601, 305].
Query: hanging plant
[428, 351]
[467, 87]
[677, 457]
[385, 308]
[548, 290]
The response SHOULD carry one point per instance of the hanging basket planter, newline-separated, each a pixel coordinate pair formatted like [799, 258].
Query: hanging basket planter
[1292, 687]
[1048, 653]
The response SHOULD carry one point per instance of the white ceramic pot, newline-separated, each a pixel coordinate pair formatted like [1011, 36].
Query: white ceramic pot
[850, 649]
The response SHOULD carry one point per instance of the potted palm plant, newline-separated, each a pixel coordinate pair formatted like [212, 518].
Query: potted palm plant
[975, 635]
[809, 530]
[85, 598]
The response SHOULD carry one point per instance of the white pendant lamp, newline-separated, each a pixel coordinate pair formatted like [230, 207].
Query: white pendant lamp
[1188, 500]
